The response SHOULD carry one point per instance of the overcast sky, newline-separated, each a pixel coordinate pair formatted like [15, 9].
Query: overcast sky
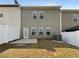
[66, 4]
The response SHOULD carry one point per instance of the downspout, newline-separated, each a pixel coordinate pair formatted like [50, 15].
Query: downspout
[60, 22]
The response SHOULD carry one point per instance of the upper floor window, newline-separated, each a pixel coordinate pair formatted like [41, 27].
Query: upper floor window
[35, 13]
[1, 14]
[75, 17]
[41, 14]
[38, 14]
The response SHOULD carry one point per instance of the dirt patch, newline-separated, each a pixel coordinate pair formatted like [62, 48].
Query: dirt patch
[44, 48]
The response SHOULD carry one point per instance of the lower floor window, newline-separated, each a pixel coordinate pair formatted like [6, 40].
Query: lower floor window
[48, 30]
[33, 33]
[40, 30]
[40, 33]
[48, 33]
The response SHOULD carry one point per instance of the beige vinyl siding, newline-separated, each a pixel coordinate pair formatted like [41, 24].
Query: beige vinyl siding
[11, 17]
[52, 19]
[67, 21]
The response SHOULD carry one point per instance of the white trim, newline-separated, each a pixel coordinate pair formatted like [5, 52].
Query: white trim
[36, 14]
[25, 32]
[34, 29]
[40, 29]
[50, 31]
[43, 13]
[74, 16]
[35, 11]
[61, 22]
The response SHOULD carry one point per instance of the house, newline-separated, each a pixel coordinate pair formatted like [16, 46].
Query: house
[10, 20]
[70, 19]
[70, 26]
[40, 21]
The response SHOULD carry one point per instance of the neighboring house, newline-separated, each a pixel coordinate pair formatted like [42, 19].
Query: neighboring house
[10, 16]
[70, 19]
[40, 21]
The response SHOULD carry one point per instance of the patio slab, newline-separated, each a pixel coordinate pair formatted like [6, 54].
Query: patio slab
[24, 41]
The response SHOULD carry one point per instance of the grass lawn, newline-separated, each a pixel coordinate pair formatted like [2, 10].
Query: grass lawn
[44, 48]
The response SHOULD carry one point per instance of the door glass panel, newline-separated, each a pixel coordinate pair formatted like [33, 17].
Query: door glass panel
[33, 31]
[48, 31]
[40, 30]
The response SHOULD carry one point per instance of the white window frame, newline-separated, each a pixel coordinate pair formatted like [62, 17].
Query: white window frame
[50, 29]
[43, 13]
[75, 16]
[41, 29]
[34, 31]
[35, 12]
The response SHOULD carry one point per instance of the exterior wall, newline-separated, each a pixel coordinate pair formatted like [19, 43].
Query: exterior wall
[12, 18]
[67, 21]
[52, 19]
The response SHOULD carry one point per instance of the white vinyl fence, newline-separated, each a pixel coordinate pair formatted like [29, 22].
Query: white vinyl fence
[71, 38]
[7, 34]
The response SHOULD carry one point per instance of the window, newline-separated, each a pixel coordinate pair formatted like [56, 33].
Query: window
[1, 14]
[33, 31]
[75, 17]
[35, 14]
[41, 14]
[41, 30]
[48, 31]
[40, 33]
[38, 14]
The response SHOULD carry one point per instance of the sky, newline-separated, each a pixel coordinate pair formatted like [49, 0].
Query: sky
[66, 4]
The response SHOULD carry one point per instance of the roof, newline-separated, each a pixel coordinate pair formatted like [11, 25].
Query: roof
[75, 28]
[41, 7]
[9, 5]
[70, 10]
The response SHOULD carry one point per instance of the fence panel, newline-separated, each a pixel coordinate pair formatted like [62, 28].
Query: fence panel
[71, 38]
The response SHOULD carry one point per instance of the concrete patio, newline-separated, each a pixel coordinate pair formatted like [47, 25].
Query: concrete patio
[24, 41]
